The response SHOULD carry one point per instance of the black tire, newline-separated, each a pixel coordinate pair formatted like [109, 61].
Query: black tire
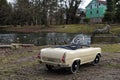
[96, 60]
[75, 67]
[49, 67]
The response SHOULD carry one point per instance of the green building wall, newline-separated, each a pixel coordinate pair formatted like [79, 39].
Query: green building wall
[96, 11]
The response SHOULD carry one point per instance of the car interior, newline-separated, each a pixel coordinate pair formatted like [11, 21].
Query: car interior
[76, 43]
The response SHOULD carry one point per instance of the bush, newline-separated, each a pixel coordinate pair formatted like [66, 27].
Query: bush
[109, 17]
[86, 20]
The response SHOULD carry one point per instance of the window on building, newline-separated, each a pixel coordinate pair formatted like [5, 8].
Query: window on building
[91, 12]
[95, 4]
[99, 4]
[91, 6]
[97, 12]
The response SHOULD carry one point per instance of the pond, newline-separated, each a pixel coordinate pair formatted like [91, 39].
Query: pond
[41, 38]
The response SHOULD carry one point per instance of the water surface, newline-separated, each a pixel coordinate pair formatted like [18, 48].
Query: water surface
[40, 38]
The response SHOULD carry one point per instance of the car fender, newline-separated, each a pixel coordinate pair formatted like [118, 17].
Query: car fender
[76, 59]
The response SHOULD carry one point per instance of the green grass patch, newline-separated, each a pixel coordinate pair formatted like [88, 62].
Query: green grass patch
[77, 28]
[85, 28]
[110, 48]
[71, 28]
[116, 30]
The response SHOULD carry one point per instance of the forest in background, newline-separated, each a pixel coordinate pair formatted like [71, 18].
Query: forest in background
[49, 12]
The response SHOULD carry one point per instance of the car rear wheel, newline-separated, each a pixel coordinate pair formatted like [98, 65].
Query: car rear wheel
[75, 67]
[96, 60]
[49, 67]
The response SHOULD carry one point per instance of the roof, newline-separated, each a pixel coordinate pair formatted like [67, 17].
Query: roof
[102, 2]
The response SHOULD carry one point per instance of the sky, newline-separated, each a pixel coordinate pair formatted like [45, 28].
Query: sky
[10, 0]
[84, 3]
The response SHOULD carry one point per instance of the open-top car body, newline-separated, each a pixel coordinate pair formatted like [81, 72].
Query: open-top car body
[70, 56]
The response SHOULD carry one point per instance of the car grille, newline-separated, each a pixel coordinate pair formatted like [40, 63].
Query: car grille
[50, 59]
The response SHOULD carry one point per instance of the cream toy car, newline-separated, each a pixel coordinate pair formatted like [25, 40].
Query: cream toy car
[71, 56]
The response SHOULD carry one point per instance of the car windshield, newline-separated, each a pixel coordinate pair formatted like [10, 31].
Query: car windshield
[77, 42]
[80, 40]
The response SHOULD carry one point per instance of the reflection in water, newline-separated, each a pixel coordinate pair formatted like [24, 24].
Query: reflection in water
[39, 38]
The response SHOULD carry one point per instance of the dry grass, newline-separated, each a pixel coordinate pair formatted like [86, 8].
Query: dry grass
[71, 28]
[25, 65]
[109, 48]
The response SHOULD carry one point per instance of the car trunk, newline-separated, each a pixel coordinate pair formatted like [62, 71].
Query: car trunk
[52, 54]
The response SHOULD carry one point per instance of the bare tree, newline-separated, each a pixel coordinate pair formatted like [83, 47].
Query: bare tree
[71, 7]
[22, 8]
[5, 10]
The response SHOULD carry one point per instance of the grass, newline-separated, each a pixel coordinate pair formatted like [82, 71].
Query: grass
[113, 66]
[71, 28]
[14, 66]
[85, 28]
[13, 57]
[109, 48]
[9, 70]
[116, 30]
[9, 67]
[79, 28]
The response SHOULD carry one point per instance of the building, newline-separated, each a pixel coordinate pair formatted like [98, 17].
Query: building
[95, 11]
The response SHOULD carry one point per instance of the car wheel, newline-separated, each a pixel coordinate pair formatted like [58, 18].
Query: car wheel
[49, 67]
[75, 67]
[96, 60]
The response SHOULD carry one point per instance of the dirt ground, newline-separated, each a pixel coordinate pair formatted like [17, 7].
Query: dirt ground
[19, 69]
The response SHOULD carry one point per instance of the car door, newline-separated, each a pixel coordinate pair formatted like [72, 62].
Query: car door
[85, 55]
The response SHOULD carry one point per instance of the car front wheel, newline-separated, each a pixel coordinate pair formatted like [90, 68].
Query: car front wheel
[96, 60]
